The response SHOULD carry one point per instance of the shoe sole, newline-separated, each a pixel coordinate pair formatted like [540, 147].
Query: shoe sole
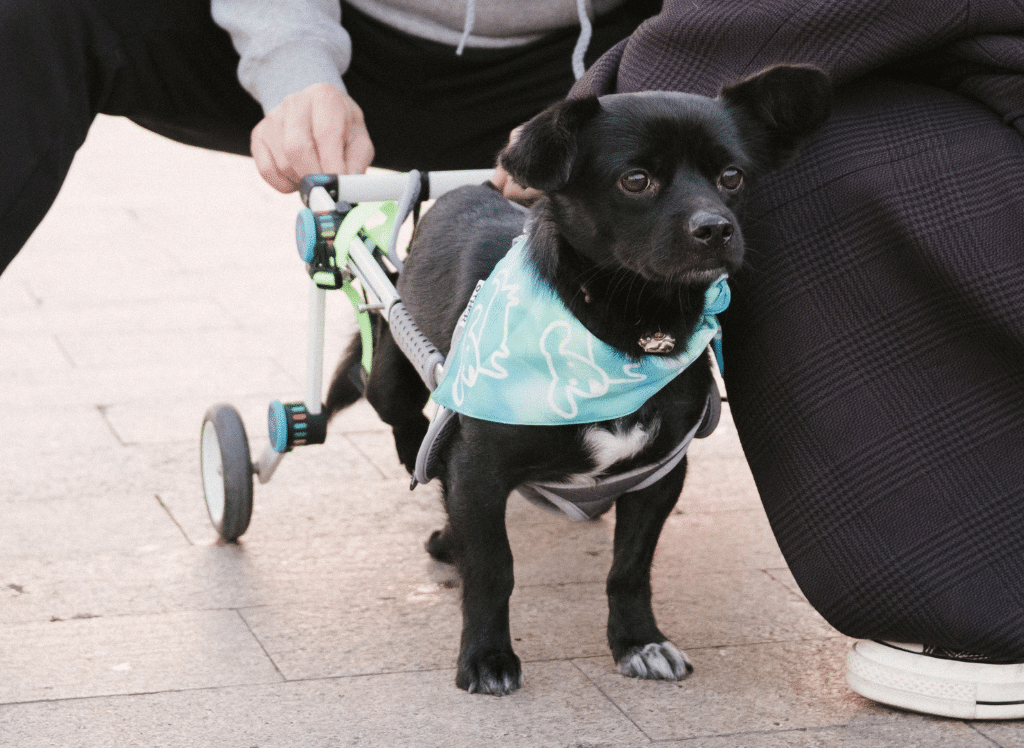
[947, 688]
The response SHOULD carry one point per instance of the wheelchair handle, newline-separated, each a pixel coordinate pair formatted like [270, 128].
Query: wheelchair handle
[378, 186]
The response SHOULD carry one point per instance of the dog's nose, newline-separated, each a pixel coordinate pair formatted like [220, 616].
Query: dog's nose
[711, 228]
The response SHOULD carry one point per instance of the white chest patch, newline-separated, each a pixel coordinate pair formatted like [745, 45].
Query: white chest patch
[608, 446]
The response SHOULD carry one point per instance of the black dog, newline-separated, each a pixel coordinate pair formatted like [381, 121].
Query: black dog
[637, 220]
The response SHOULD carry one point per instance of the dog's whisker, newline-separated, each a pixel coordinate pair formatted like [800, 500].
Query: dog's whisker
[621, 276]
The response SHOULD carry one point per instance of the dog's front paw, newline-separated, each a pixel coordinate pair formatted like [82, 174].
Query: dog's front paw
[498, 673]
[655, 661]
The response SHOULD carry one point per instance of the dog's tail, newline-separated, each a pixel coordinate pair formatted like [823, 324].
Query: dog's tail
[349, 381]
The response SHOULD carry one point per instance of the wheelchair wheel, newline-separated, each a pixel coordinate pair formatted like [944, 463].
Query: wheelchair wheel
[227, 471]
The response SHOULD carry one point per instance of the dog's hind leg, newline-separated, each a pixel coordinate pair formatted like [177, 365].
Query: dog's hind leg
[347, 383]
[440, 545]
[638, 646]
[397, 393]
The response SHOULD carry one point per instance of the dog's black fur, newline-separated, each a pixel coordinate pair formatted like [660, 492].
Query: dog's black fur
[637, 219]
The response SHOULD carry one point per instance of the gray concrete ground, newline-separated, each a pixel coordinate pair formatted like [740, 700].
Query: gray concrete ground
[165, 280]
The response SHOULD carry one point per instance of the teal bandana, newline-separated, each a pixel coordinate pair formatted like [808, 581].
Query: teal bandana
[523, 358]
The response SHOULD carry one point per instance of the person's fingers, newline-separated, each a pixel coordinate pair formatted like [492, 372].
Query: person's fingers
[359, 152]
[499, 178]
[328, 119]
[266, 164]
[296, 152]
[327, 145]
[513, 190]
[507, 185]
[319, 130]
[518, 194]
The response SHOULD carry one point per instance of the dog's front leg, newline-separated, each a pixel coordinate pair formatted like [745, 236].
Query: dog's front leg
[475, 497]
[639, 648]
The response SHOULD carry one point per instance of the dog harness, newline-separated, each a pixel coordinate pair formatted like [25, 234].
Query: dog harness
[591, 499]
[519, 356]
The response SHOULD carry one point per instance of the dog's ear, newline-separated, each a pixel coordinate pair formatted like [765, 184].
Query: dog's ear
[777, 108]
[542, 154]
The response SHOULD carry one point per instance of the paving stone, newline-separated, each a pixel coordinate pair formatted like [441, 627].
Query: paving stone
[151, 578]
[84, 522]
[1009, 734]
[146, 315]
[321, 492]
[724, 440]
[713, 541]
[98, 466]
[383, 622]
[14, 295]
[378, 448]
[30, 351]
[557, 707]
[179, 348]
[754, 688]
[20, 318]
[715, 483]
[915, 732]
[40, 437]
[122, 655]
[205, 384]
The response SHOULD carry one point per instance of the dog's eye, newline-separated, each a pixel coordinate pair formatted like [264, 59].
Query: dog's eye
[635, 181]
[730, 180]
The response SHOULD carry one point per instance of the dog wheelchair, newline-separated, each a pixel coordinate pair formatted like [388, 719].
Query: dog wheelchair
[347, 235]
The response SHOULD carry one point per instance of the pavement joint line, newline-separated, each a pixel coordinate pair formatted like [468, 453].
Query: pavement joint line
[254, 684]
[103, 414]
[259, 641]
[174, 519]
[974, 727]
[597, 687]
[64, 351]
[791, 593]
[366, 457]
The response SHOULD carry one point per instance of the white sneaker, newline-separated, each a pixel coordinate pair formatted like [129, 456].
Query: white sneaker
[924, 679]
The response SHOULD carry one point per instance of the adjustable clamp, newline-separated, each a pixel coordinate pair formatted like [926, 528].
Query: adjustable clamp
[292, 425]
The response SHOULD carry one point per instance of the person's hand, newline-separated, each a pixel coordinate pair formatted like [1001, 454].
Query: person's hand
[319, 130]
[511, 189]
[508, 186]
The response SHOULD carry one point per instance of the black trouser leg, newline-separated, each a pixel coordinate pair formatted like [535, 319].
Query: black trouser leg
[165, 65]
[875, 367]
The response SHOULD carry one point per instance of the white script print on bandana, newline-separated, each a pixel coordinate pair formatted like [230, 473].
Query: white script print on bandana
[523, 358]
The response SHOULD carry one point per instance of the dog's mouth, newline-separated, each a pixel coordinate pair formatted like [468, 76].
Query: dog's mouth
[702, 277]
[688, 276]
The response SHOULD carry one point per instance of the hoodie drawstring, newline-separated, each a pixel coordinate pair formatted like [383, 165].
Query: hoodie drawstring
[582, 43]
[467, 25]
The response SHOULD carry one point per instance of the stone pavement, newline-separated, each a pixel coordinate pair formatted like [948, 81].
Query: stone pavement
[164, 280]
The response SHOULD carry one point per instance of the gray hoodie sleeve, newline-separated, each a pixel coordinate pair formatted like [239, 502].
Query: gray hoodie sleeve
[285, 45]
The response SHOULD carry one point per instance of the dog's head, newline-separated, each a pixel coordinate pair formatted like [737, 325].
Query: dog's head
[652, 181]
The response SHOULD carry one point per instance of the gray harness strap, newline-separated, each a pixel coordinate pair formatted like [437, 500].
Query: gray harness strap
[590, 500]
[579, 502]
[444, 423]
